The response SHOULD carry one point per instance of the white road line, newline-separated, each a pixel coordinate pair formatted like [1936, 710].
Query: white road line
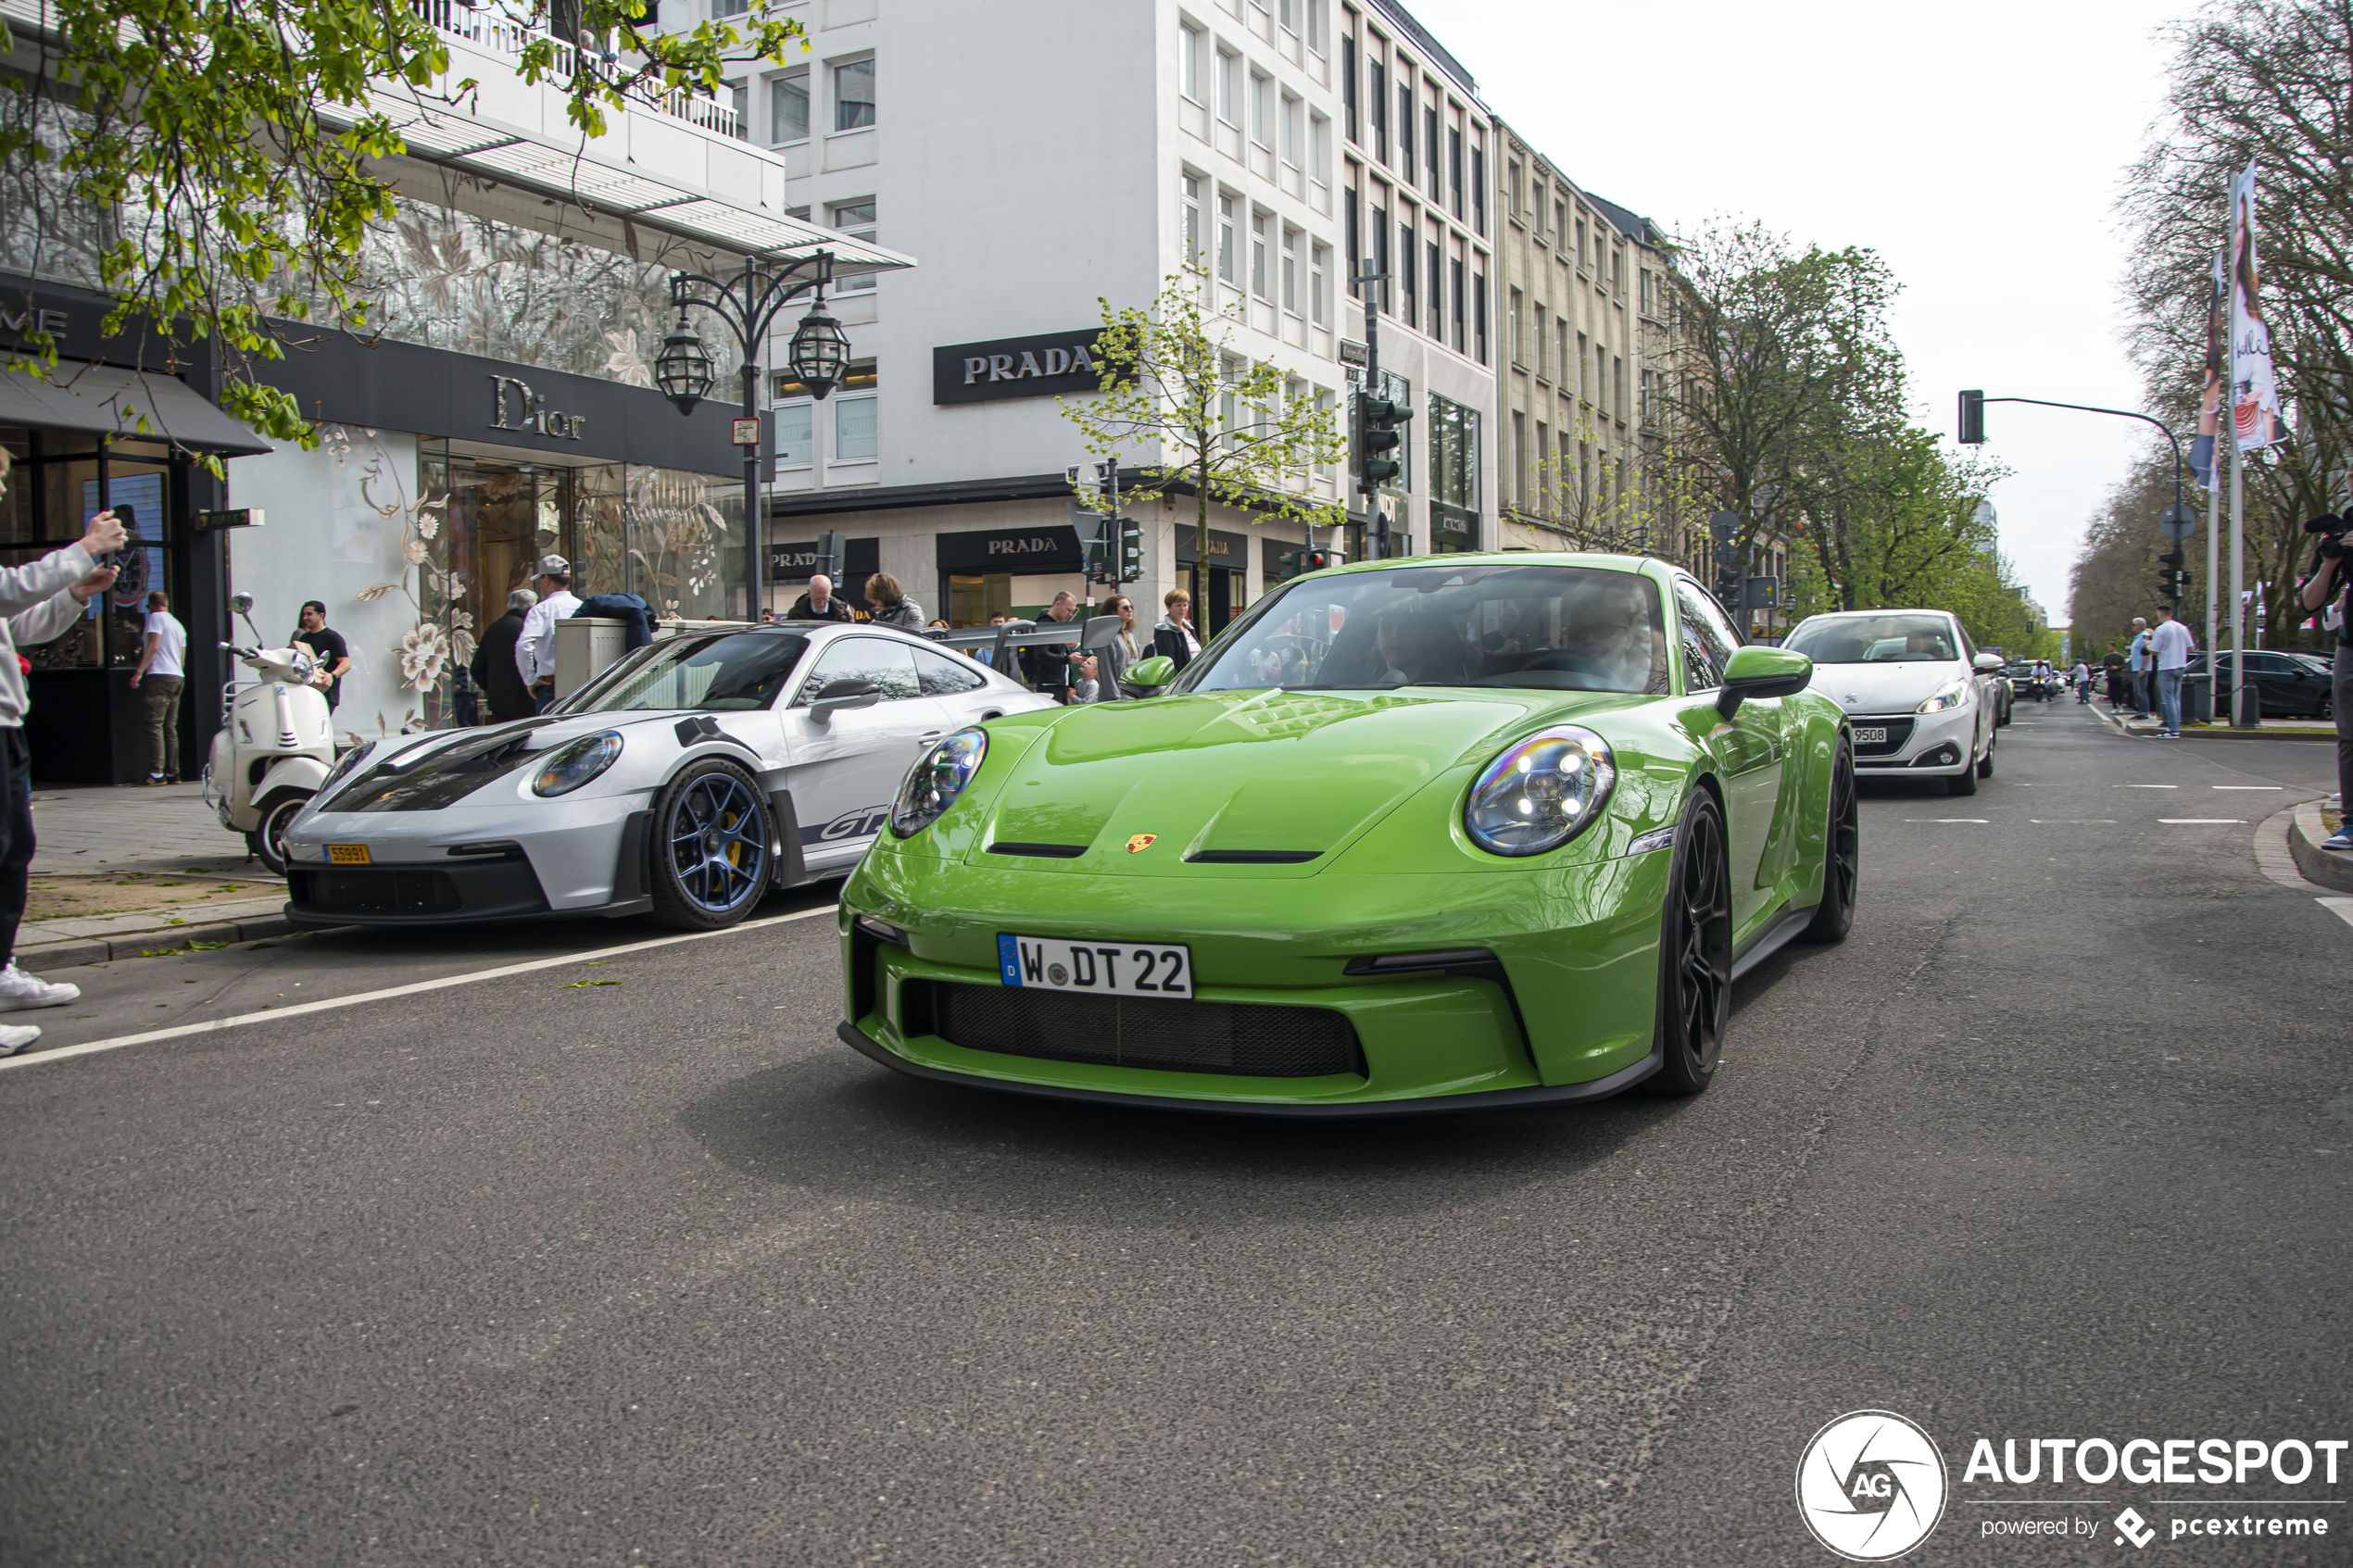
[2250, 786]
[2201, 822]
[91, 1047]
[2073, 822]
[2145, 786]
[1979, 820]
[2343, 908]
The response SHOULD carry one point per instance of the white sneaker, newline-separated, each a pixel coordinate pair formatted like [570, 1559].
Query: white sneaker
[19, 989]
[14, 1037]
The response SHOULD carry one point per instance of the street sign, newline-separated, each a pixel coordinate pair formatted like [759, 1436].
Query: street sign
[746, 433]
[2179, 521]
[1761, 592]
[1724, 525]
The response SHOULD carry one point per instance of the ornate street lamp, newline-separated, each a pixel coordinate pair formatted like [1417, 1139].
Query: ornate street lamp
[748, 305]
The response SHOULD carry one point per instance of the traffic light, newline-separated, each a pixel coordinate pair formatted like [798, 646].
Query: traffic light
[1287, 566]
[1131, 549]
[2171, 580]
[1319, 561]
[1972, 419]
[1380, 422]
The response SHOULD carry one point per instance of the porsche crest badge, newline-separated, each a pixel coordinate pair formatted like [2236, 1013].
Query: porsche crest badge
[1141, 842]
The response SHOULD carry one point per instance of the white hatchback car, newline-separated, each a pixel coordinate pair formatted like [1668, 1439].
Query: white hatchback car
[1919, 695]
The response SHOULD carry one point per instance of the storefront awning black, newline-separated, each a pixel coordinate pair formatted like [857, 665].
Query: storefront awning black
[104, 400]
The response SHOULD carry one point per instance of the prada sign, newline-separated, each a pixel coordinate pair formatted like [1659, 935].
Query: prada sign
[1015, 367]
[513, 395]
[1049, 549]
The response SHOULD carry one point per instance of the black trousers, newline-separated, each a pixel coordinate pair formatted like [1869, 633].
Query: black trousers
[15, 833]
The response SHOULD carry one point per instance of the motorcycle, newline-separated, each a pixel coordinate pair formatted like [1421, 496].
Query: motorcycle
[275, 746]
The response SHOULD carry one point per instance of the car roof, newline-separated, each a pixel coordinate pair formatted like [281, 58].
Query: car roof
[1651, 565]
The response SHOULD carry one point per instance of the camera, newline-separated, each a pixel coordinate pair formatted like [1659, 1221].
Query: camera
[2331, 530]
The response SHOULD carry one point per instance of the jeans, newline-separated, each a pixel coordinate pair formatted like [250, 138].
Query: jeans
[159, 696]
[15, 833]
[542, 695]
[2342, 693]
[2140, 694]
[2169, 698]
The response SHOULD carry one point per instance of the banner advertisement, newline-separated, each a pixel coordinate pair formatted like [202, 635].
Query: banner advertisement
[2255, 390]
[2209, 405]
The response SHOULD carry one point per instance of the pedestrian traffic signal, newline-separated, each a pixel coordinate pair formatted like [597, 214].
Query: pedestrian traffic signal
[1379, 431]
[1319, 561]
[1287, 566]
[1972, 419]
[1131, 550]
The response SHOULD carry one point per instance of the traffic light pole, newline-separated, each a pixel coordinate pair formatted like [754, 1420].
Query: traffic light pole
[1377, 536]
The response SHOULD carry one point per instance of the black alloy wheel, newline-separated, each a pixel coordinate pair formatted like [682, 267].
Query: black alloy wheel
[711, 848]
[267, 843]
[1842, 856]
[1695, 954]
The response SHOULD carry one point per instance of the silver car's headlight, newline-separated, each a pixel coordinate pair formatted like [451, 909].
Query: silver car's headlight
[1952, 693]
[1540, 793]
[937, 782]
[575, 762]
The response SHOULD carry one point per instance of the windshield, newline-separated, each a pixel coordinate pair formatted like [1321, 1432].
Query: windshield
[1555, 628]
[1875, 639]
[715, 673]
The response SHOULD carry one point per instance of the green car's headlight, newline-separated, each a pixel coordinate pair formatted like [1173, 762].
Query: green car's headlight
[1950, 694]
[1541, 794]
[936, 780]
[575, 762]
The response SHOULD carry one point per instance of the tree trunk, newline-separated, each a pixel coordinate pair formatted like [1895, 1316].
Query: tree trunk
[1201, 546]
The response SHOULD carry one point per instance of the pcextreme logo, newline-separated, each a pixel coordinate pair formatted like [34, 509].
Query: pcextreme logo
[1871, 1486]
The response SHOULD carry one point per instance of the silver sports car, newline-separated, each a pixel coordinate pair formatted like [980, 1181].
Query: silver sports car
[686, 779]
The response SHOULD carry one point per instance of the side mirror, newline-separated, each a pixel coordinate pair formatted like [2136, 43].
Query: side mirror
[1990, 663]
[840, 696]
[241, 603]
[1157, 671]
[1759, 671]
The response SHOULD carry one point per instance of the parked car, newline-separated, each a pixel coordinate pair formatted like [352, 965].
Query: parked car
[2293, 685]
[1922, 700]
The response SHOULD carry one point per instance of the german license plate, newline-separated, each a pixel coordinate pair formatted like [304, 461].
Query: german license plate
[1114, 968]
[1870, 734]
[348, 855]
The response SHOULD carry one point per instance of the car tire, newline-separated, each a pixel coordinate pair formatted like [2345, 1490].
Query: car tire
[1842, 856]
[711, 846]
[1695, 954]
[1985, 763]
[1964, 782]
[267, 843]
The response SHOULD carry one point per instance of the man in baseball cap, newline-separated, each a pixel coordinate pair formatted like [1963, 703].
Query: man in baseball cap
[535, 647]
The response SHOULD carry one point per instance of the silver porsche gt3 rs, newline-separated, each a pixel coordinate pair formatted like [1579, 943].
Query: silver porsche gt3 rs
[685, 781]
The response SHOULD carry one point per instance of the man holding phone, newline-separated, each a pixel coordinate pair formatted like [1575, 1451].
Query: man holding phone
[38, 602]
[2329, 593]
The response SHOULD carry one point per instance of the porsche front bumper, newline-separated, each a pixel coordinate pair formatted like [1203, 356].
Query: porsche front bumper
[549, 859]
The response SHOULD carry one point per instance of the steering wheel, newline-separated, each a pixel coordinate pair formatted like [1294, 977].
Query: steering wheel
[1556, 659]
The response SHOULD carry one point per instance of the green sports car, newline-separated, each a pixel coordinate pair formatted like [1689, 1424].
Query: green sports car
[1483, 830]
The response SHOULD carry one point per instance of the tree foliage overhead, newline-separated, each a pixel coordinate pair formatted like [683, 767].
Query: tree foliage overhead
[212, 160]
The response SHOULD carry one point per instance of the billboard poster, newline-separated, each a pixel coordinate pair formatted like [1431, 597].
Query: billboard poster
[2209, 404]
[2255, 386]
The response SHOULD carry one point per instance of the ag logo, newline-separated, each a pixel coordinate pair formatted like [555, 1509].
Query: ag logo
[1870, 1485]
[1141, 842]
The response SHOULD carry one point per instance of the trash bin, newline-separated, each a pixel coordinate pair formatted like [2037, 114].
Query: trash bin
[2197, 699]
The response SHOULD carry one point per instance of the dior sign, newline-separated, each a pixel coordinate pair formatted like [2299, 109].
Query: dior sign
[513, 395]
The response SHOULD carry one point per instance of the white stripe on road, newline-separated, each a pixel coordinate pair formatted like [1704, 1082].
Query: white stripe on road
[2145, 786]
[2250, 787]
[2200, 822]
[2072, 822]
[1979, 820]
[91, 1047]
[2343, 908]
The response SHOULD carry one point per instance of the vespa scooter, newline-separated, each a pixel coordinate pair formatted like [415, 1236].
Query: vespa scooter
[274, 749]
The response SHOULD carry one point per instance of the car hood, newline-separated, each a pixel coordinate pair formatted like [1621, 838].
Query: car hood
[1278, 779]
[1885, 688]
[430, 771]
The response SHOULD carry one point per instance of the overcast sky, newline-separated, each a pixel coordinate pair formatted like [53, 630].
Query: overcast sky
[1979, 150]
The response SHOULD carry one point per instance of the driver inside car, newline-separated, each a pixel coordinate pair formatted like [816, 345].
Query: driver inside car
[1418, 651]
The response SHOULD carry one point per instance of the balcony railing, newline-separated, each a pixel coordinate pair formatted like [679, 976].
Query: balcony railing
[494, 32]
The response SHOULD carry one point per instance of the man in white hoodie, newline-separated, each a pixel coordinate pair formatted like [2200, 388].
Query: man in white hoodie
[38, 601]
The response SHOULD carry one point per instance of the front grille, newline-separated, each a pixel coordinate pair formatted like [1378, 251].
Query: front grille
[1898, 732]
[377, 892]
[1249, 1039]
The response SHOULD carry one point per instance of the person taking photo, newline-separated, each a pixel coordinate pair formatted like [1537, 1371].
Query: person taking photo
[2325, 592]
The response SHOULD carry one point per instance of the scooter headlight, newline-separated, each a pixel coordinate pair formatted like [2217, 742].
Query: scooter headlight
[575, 762]
[937, 782]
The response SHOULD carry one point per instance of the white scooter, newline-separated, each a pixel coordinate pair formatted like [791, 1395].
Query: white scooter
[275, 748]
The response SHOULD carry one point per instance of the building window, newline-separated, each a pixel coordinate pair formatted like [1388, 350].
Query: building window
[1347, 85]
[1191, 43]
[1601, 378]
[1351, 236]
[1539, 343]
[1288, 16]
[1617, 387]
[854, 429]
[1228, 264]
[1561, 361]
[1580, 245]
[1617, 269]
[1456, 293]
[1291, 271]
[796, 437]
[1319, 267]
[1478, 316]
[1230, 404]
[1381, 259]
[788, 107]
[1511, 190]
[1319, 149]
[1190, 205]
[1479, 189]
[857, 220]
[1511, 325]
[1543, 442]
[1230, 88]
[1258, 283]
[1316, 39]
[1581, 365]
[1560, 223]
[1405, 132]
[1455, 168]
[1429, 150]
[1409, 308]
[1262, 110]
[1454, 473]
[1325, 404]
[1376, 94]
[854, 96]
[1436, 292]
[1295, 112]
[1518, 485]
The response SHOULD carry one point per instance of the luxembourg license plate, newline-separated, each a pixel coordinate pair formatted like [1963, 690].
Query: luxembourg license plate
[1870, 734]
[1116, 969]
[348, 855]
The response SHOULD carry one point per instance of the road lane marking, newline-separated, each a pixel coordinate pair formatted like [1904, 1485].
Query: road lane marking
[2145, 786]
[2250, 786]
[416, 987]
[2341, 907]
[2073, 822]
[1979, 820]
[2201, 822]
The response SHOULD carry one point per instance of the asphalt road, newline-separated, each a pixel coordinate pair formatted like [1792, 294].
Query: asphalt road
[519, 1268]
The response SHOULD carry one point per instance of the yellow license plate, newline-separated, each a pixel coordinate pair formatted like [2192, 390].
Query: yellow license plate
[348, 855]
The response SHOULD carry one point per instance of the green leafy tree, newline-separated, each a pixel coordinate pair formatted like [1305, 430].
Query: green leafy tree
[1192, 414]
[210, 163]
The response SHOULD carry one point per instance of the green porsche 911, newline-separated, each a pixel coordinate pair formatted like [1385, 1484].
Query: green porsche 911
[1482, 830]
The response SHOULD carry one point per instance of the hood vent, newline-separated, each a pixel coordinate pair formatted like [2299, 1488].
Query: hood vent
[1039, 851]
[1251, 857]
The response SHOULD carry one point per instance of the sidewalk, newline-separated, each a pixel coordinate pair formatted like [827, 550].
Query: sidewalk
[2271, 729]
[123, 871]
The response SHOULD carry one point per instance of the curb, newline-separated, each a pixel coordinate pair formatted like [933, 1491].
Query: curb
[168, 942]
[2325, 867]
[2215, 731]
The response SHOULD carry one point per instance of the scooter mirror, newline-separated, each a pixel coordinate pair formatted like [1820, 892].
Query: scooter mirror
[241, 603]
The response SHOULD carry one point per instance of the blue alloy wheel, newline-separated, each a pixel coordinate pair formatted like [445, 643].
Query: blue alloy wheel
[714, 864]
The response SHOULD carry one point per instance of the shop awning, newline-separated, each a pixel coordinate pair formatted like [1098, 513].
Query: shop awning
[104, 400]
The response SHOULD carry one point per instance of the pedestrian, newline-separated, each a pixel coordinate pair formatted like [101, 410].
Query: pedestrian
[2330, 579]
[535, 647]
[328, 650]
[40, 600]
[1125, 649]
[2140, 660]
[2083, 679]
[1050, 667]
[2112, 673]
[988, 655]
[162, 668]
[2169, 644]
[1173, 639]
[819, 603]
[892, 606]
[494, 662]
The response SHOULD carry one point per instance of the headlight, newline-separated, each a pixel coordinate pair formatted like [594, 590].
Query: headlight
[1541, 794]
[346, 765]
[575, 762]
[1952, 693]
[937, 782]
